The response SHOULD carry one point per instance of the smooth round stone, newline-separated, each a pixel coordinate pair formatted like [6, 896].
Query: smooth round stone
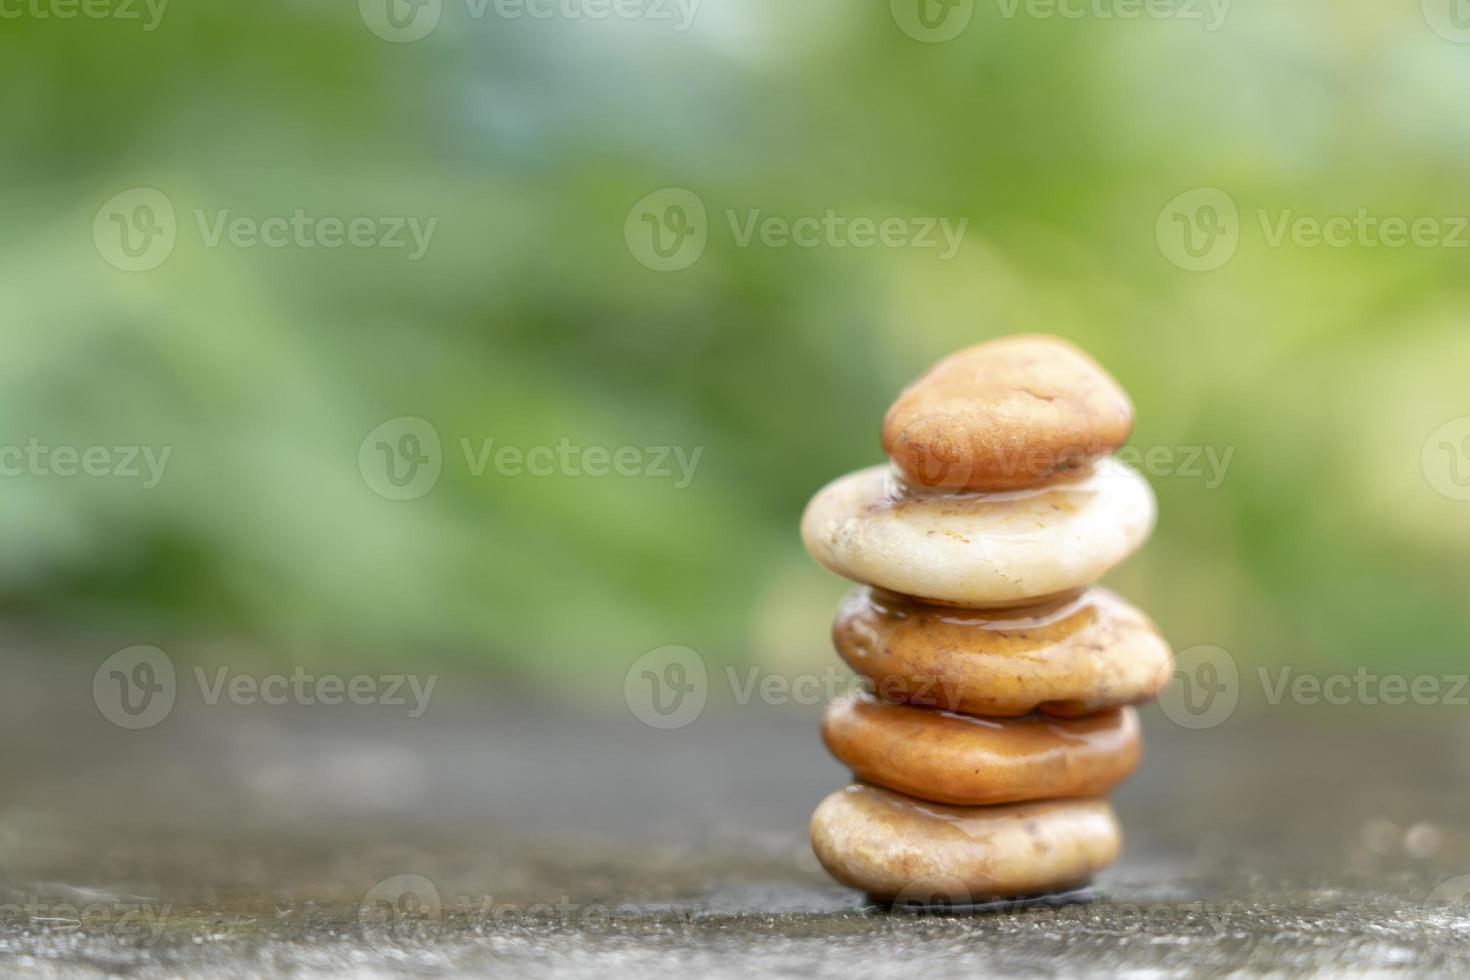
[1006, 414]
[952, 758]
[979, 550]
[899, 849]
[1066, 657]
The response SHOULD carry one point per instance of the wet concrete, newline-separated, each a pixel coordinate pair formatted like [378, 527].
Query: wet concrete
[494, 836]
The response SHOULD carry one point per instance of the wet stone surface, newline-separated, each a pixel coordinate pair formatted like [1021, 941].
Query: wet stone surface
[496, 837]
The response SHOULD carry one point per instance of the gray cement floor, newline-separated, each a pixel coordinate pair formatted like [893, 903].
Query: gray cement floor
[496, 837]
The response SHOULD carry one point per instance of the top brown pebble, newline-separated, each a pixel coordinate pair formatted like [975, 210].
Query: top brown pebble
[1006, 414]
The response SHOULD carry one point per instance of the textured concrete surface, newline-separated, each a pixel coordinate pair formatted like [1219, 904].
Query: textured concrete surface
[497, 837]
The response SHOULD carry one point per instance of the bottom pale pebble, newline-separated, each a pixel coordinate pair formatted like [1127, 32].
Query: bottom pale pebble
[907, 851]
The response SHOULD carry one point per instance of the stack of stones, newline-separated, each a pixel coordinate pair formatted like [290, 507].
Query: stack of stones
[1001, 679]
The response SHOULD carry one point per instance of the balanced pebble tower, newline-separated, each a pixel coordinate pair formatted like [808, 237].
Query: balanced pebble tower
[1001, 679]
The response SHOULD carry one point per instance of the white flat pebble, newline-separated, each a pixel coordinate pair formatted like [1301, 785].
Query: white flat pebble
[975, 549]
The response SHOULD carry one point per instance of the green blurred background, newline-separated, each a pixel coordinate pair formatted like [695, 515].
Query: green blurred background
[530, 319]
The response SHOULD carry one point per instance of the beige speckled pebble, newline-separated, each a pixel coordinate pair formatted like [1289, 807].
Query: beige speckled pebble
[896, 848]
[1010, 413]
[979, 550]
[1066, 657]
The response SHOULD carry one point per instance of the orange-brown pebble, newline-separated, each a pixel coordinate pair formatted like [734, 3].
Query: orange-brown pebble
[1067, 657]
[950, 758]
[1006, 414]
[895, 848]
